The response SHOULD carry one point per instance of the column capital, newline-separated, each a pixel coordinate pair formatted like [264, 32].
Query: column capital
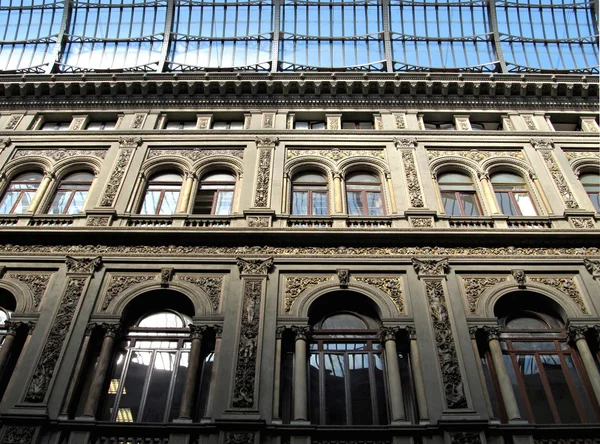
[592, 266]
[431, 267]
[576, 332]
[483, 175]
[411, 331]
[405, 142]
[218, 329]
[279, 331]
[196, 331]
[301, 332]
[473, 331]
[85, 265]
[111, 330]
[388, 333]
[254, 266]
[13, 327]
[492, 332]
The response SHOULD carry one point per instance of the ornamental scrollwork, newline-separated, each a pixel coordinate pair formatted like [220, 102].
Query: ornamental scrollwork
[392, 286]
[197, 331]
[130, 142]
[57, 155]
[542, 144]
[97, 221]
[421, 222]
[195, 154]
[46, 366]
[405, 142]
[400, 122]
[83, 264]
[267, 142]
[412, 179]
[263, 178]
[245, 372]
[582, 222]
[212, 286]
[13, 122]
[474, 155]
[572, 155]
[138, 121]
[566, 286]
[474, 288]
[37, 284]
[592, 266]
[446, 349]
[294, 285]
[559, 180]
[254, 266]
[336, 153]
[18, 435]
[530, 123]
[431, 267]
[114, 181]
[492, 332]
[258, 221]
[239, 438]
[268, 120]
[301, 332]
[118, 284]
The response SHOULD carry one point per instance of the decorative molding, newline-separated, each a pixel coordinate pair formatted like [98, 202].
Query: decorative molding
[475, 154]
[421, 222]
[37, 284]
[245, 372]
[582, 222]
[85, 265]
[239, 438]
[13, 327]
[263, 178]
[492, 332]
[400, 121]
[97, 221]
[254, 266]
[114, 182]
[258, 221]
[61, 154]
[474, 288]
[392, 286]
[268, 120]
[129, 142]
[519, 277]
[343, 275]
[559, 179]
[195, 154]
[18, 434]
[431, 267]
[542, 144]
[388, 333]
[38, 387]
[566, 286]
[405, 142]
[446, 349]
[138, 121]
[576, 332]
[412, 179]
[294, 285]
[112, 330]
[574, 155]
[4, 142]
[336, 153]
[530, 123]
[267, 142]
[465, 438]
[118, 284]
[592, 266]
[301, 332]
[212, 286]
[166, 276]
[13, 121]
[197, 331]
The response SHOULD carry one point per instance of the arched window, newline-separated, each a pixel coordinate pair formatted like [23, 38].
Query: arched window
[512, 195]
[162, 194]
[363, 193]
[147, 378]
[458, 195]
[215, 193]
[20, 193]
[71, 193]
[591, 183]
[309, 194]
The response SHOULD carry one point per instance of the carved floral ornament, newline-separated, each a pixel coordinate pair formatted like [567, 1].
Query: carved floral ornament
[130, 142]
[35, 282]
[431, 267]
[4, 142]
[335, 154]
[475, 155]
[83, 265]
[60, 154]
[267, 142]
[592, 266]
[254, 266]
[195, 154]
[405, 142]
[574, 155]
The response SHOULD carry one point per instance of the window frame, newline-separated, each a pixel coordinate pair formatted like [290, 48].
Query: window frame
[72, 191]
[591, 193]
[497, 189]
[22, 190]
[217, 191]
[458, 194]
[312, 188]
[162, 192]
[363, 194]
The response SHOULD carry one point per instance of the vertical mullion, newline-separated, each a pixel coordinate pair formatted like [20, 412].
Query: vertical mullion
[384, 6]
[146, 386]
[347, 356]
[493, 18]
[521, 384]
[178, 354]
[570, 383]
[117, 401]
[322, 397]
[371, 363]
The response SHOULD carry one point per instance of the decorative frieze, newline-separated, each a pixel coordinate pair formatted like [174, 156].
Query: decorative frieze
[421, 222]
[97, 221]
[263, 178]
[559, 179]
[574, 155]
[239, 438]
[474, 288]
[138, 121]
[14, 434]
[446, 348]
[114, 181]
[129, 142]
[405, 142]
[465, 438]
[582, 222]
[294, 285]
[475, 154]
[59, 154]
[118, 284]
[36, 282]
[211, 286]
[258, 221]
[412, 179]
[400, 121]
[194, 154]
[565, 285]
[336, 153]
[392, 286]
[38, 387]
[592, 266]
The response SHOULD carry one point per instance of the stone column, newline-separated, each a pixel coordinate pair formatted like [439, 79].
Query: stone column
[12, 329]
[193, 373]
[41, 191]
[484, 179]
[79, 371]
[506, 388]
[337, 193]
[388, 337]
[388, 178]
[300, 374]
[186, 191]
[486, 393]
[284, 196]
[111, 331]
[415, 367]
[438, 195]
[277, 376]
[218, 329]
[577, 336]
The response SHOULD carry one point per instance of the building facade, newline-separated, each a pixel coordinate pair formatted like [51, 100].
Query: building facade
[275, 222]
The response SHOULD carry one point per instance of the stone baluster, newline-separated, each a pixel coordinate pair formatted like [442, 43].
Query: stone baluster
[388, 337]
[193, 373]
[300, 373]
[577, 336]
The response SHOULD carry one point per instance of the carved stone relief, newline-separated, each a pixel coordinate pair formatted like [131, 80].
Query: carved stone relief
[13, 122]
[118, 284]
[429, 267]
[114, 181]
[474, 288]
[542, 144]
[258, 221]
[343, 275]
[421, 222]
[18, 435]
[98, 221]
[405, 142]
[294, 285]
[166, 275]
[559, 179]
[212, 286]
[37, 283]
[263, 178]
[592, 266]
[138, 121]
[195, 154]
[390, 286]
[400, 122]
[566, 286]
[130, 142]
[519, 277]
[530, 123]
[475, 155]
[582, 222]
[245, 372]
[572, 155]
[254, 266]
[378, 120]
[336, 153]
[83, 264]
[268, 120]
[412, 179]
[38, 387]
[239, 438]
[465, 438]
[267, 142]
[77, 123]
[4, 142]
[57, 155]
[446, 349]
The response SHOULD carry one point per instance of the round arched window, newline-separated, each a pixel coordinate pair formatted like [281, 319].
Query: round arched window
[512, 194]
[458, 194]
[363, 193]
[71, 193]
[309, 194]
[215, 193]
[20, 192]
[162, 194]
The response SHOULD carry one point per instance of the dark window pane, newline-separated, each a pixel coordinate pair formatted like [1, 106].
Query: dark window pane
[583, 394]
[450, 202]
[560, 389]
[178, 387]
[506, 204]
[470, 204]
[535, 389]
[114, 386]
[335, 388]
[204, 386]
[360, 389]
[131, 397]
[158, 390]
[491, 388]
[315, 392]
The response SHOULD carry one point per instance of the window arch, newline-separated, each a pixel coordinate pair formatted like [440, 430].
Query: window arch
[162, 193]
[591, 184]
[20, 192]
[309, 194]
[512, 194]
[458, 194]
[215, 193]
[363, 194]
[71, 194]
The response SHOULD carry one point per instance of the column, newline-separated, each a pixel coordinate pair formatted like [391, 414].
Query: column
[218, 329]
[186, 191]
[110, 333]
[438, 195]
[577, 335]
[12, 329]
[388, 337]
[300, 374]
[388, 178]
[506, 388]
[193, 373]
[415, 367]
[41, 191]
[337, 193]
[79, 371]
[484, 179]
[486, 393]
[284, 196]
[277, 377]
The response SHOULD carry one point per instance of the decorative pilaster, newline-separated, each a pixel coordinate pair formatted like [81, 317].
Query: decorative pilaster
[127, 146]
[407, 145]
[12, 329]
[265, 146]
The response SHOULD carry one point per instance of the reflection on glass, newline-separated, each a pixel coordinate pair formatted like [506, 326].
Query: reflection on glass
[534, 387]
[19, 194]
[560, 389]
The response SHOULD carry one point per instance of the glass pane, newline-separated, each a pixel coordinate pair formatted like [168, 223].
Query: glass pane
[360, 389]
[535, 389]
[8, 202]
[381, 401]
[319, 204]
[128, 409]
[513, 379]
[375, 204]
[454, 178]
[469, 202]
[506, 205]
[76, 206]
[595, 198]
[560, 389]
[113, 387]
[583, 394]
[204, 386]
[335, 388]
[525, 205]
[450, 202]
[533, 345]
[179, 383]
[309, 177]
[150, 204]
[162, 320]
[224, 202]
[343, 321]
[300, 203]
[526, 323]
[59, 203]
[158, 390]
[313, 380]
[169, 203]
[355, 205]
[361, 177]
[506, 178]
[490, 387]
